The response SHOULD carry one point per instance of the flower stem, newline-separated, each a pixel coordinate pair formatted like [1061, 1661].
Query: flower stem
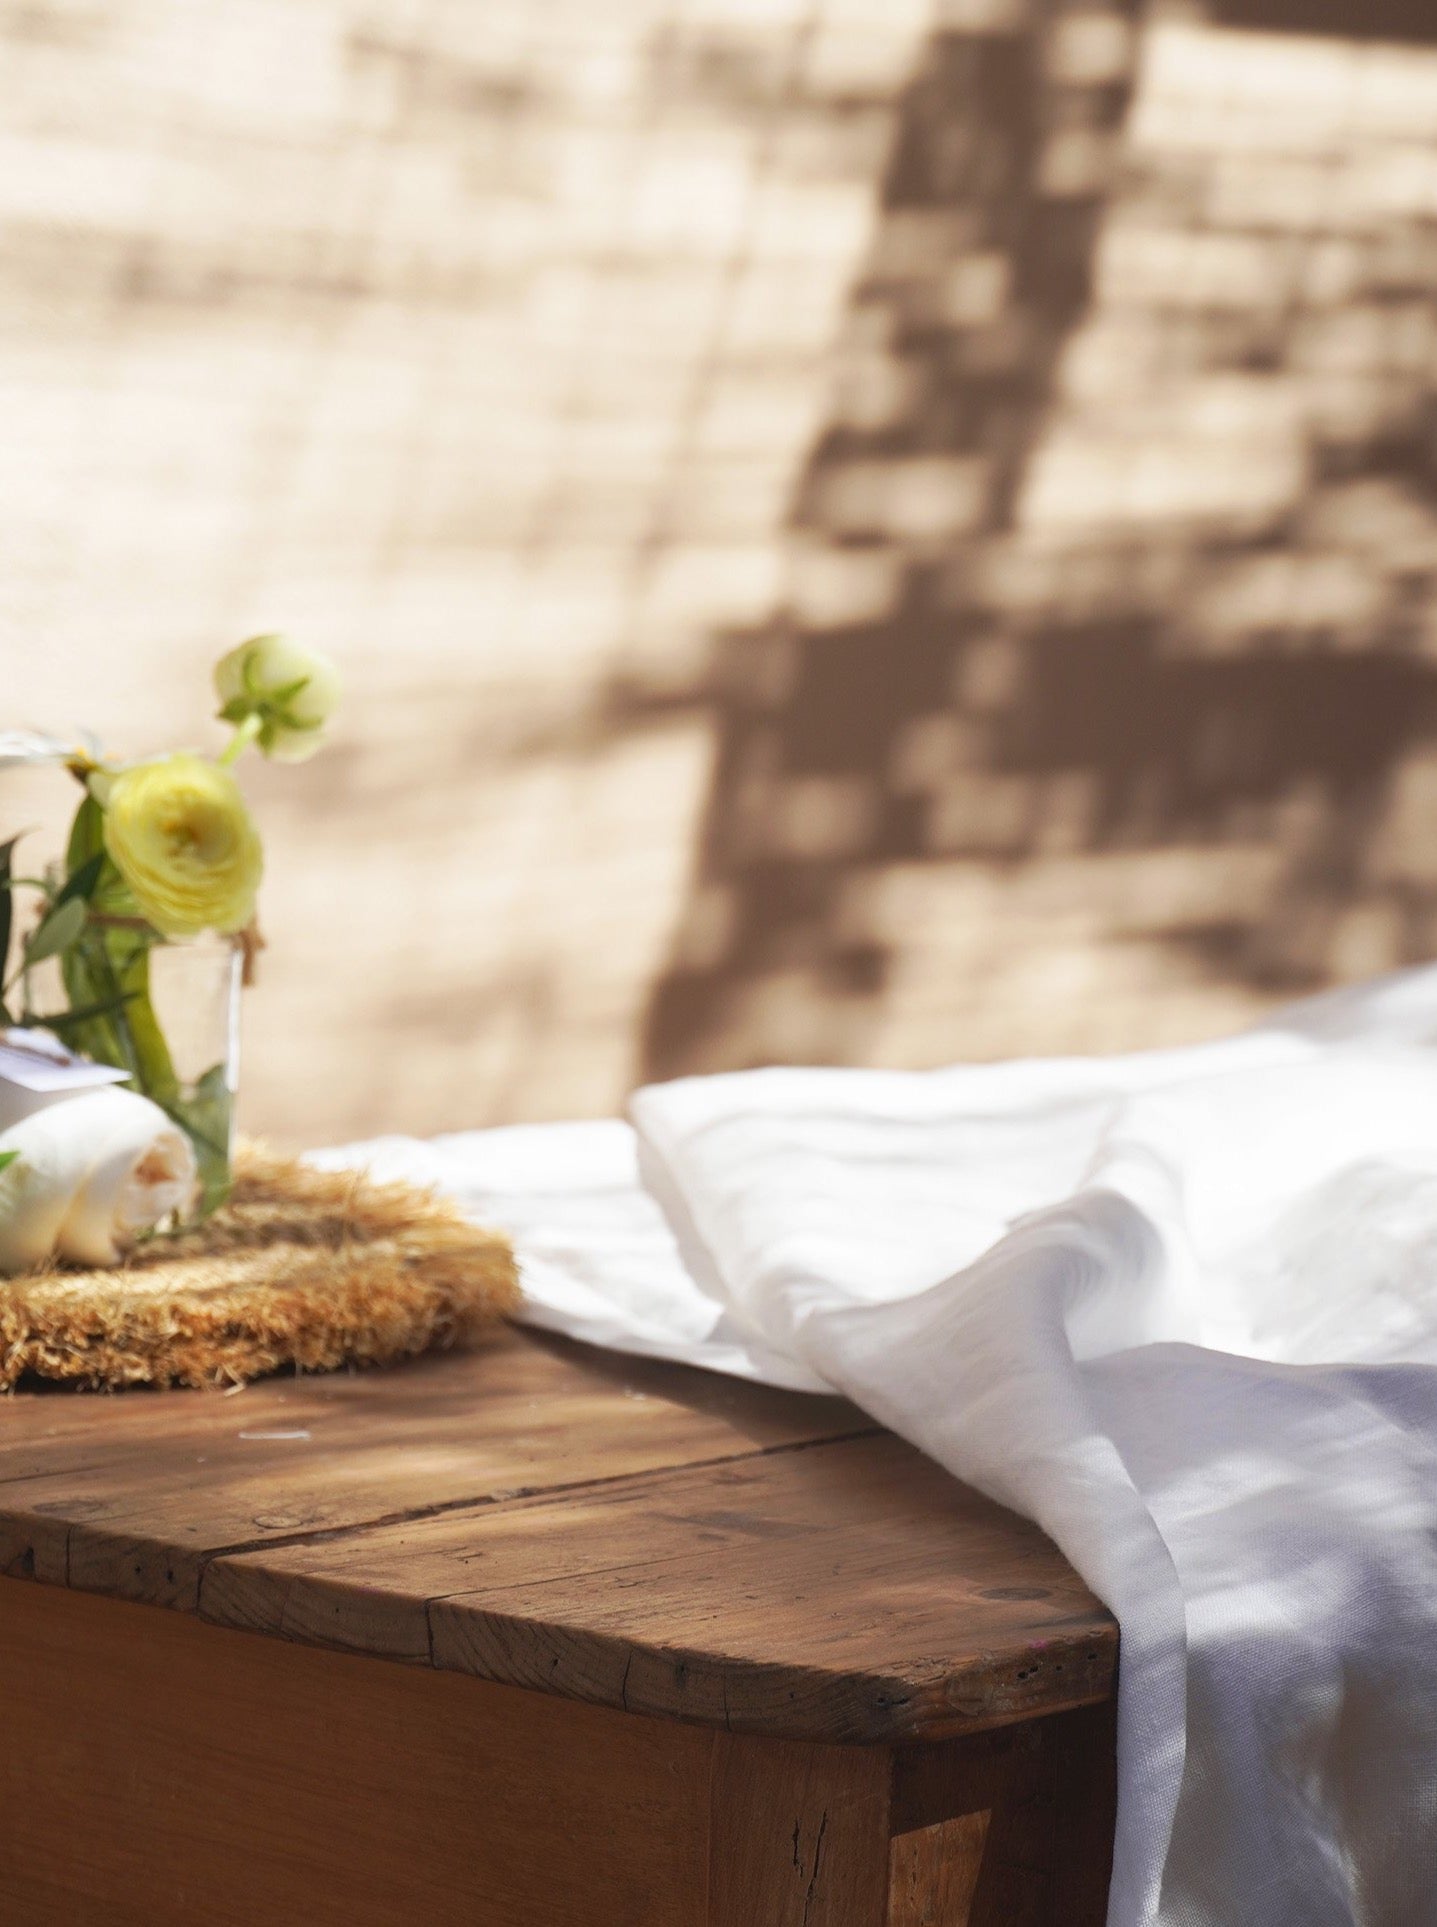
[245, 733]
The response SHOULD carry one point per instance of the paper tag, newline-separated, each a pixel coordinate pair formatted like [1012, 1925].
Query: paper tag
[36, 1061]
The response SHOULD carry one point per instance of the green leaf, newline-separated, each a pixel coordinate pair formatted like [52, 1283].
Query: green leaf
[287, 691]
[81, 883]
[57, 932]
[205, 1114]
[7, 900]
[61, 1020]
[87, 835]
[109, 892]
[111, 965]
[7, 1157]
[236, 709]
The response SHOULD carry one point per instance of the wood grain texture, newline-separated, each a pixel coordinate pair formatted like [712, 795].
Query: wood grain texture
[933, 1873]
[157, 1772]
[132, 1495]
[799, 1835]
[630, 1534]
[852, 1591]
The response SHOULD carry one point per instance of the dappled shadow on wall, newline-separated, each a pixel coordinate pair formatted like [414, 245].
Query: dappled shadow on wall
[1110, 580]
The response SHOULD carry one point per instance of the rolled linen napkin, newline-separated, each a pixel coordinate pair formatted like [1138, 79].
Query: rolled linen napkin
[93, 1174]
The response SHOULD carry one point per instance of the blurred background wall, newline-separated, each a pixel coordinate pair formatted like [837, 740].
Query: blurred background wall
[855, 529]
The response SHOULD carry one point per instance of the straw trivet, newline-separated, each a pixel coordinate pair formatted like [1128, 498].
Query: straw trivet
[301, 1268]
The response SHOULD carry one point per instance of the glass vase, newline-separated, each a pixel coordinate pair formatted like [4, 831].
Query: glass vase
[166, 1010]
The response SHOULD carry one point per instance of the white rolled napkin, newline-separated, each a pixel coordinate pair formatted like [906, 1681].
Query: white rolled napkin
[94, 1173]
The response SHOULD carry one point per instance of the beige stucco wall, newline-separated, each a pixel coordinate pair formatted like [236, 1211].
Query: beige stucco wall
[874, 531]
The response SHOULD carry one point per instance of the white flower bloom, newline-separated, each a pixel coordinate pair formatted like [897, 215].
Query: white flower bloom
[19, 747]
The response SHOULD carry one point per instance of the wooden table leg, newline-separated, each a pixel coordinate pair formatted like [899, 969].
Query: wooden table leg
[1005, 1829]
[798, 1835]
[1012, 1828]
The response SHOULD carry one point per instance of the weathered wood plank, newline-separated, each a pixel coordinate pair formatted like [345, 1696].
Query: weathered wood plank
[620, 1532]
[130, 1495]
[156, 1772]
[850, 1591]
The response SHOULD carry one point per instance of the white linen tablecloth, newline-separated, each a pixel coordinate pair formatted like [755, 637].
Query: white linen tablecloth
[1178, 1307]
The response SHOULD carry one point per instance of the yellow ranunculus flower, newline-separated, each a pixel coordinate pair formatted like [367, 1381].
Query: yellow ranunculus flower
[178, 832]
[289, 691]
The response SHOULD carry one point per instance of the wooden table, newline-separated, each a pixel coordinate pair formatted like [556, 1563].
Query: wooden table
[532, 1637]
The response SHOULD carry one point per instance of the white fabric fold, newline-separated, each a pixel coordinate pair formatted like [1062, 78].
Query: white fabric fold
[598, 1259]
[1180, 1308]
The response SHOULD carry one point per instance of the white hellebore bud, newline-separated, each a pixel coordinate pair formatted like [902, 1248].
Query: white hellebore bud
[290, 691]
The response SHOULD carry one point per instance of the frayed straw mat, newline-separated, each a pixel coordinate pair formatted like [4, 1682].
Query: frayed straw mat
[303, 1269]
